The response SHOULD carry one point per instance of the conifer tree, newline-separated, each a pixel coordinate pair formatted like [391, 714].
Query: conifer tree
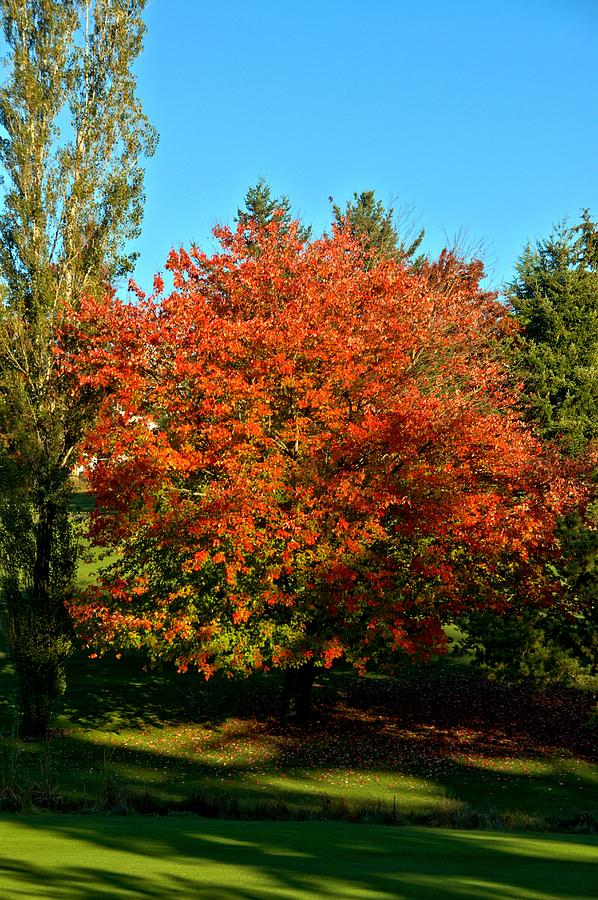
[261, 209]
[74, 135]
[555, 354]
[374, 225]
[555, 299]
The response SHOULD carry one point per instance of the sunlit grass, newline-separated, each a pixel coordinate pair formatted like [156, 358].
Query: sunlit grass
[71, 857]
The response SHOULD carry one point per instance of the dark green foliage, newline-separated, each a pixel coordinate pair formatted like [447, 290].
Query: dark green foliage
[261, 208]
[555, 300]
[74, 134]
[373, 225]
[535, 647]
[578, 634]
[38, 557]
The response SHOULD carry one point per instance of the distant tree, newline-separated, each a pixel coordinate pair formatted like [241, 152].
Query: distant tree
[261, 209]
[73, 137]
[374, 226]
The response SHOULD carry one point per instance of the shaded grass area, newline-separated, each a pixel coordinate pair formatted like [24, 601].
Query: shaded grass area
[76, 857]
[439, 745]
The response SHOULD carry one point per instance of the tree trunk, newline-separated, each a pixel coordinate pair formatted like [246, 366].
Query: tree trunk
[39, 648]
[39, 636]
[40, 684]
[297, 692]
[43, 555]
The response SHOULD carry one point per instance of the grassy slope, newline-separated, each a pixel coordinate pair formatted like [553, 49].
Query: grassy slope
[72, 857]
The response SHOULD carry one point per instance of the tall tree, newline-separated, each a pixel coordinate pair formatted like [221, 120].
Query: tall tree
[555, 300]
[375, 226]
[555, 354]
[262, 209]
[74, 135]
[308, 459]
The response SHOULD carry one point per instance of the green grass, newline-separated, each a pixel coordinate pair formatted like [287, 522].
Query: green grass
[70, 857]
[91, 560]
[431, 747]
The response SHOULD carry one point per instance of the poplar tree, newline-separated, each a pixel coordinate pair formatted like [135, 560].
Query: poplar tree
[72, 141]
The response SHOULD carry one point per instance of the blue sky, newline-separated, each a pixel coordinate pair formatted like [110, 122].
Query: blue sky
[481, 116]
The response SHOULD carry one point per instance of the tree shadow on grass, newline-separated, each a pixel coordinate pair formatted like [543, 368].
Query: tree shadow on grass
[462, 738]
[296, 770]
[357, 772]
[440, 702]
[109, 693]
[80, 857]
[443, 699]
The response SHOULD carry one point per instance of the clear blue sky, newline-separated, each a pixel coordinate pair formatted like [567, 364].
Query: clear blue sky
[480, 115]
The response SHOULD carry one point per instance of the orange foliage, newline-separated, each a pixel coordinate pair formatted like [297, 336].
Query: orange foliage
[303, 457]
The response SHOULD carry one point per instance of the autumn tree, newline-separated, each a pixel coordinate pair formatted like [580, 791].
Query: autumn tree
[73, 138]
[382, 233]
[300, 458]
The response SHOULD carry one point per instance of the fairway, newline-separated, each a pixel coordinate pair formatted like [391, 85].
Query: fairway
[90, 856]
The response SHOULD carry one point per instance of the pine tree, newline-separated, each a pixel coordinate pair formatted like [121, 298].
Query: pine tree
[374, 226]
[74, 198]
[261, 208]
[555, 299]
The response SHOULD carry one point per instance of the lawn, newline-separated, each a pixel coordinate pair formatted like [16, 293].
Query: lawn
[177, 857]
[438, 745]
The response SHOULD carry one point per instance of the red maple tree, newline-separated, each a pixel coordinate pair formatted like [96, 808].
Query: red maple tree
[301, 458]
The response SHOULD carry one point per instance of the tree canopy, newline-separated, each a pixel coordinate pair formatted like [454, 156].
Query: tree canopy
[555, 299]
[262, 209]
[375, 228]
[300, 458]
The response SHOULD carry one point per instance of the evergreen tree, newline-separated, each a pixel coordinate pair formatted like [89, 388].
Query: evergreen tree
[73, 198]
[555, 299]
[374, 226]
[261, 208]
